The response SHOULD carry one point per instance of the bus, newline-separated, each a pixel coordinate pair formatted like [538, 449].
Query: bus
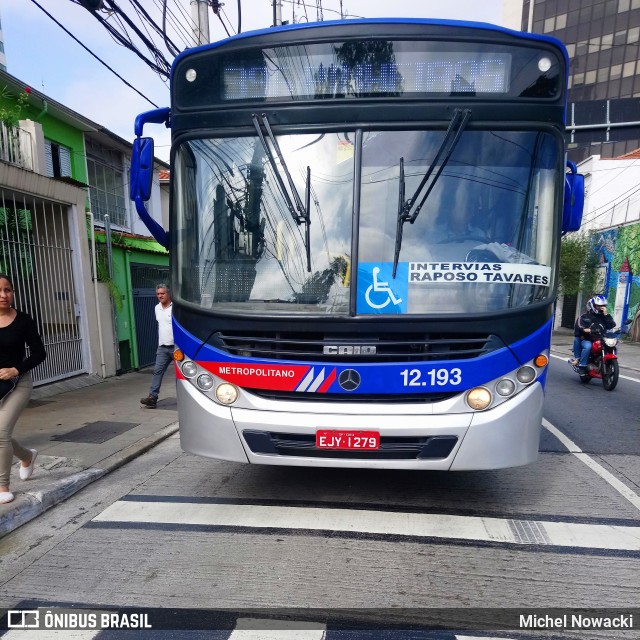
[365, 223]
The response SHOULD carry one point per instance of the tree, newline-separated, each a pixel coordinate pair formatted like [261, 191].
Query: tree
[578, 265]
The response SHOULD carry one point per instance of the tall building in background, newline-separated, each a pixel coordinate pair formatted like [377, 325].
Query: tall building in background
[602, 38]
[3, 58]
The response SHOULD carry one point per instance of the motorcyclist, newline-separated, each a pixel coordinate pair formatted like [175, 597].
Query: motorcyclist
[596, 314]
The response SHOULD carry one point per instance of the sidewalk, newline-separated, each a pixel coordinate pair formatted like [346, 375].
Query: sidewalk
[86, 427]
[83, 428]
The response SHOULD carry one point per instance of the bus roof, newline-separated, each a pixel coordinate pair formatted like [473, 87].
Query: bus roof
[486, 26]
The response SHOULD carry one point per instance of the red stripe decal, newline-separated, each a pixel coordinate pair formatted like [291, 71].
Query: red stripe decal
[259, 376]
[327, 383]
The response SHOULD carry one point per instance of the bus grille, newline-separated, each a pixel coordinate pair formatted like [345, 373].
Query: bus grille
[361, 348]
[353, 398]
[391, 447]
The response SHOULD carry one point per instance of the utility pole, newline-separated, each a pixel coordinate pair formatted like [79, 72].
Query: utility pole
[277, 13]
[200, 21]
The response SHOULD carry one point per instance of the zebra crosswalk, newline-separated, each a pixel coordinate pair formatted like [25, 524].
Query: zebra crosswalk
[251, 629]
[589, 537]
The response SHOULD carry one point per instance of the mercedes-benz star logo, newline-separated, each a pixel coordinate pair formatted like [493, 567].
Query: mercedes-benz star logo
[349, 379]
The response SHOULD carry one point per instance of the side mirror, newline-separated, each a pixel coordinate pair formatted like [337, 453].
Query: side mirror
[141, 174]
[140, 183]
[573, 199]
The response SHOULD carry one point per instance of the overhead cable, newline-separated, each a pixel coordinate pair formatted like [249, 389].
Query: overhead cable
[93, 54]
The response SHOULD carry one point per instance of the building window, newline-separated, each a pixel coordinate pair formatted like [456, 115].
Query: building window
[623, 5]
[620, 37]
[106, 185]
[633, 35]
[628, 69]
[57, 160]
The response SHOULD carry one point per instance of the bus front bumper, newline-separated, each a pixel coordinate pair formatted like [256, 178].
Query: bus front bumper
[505, 436]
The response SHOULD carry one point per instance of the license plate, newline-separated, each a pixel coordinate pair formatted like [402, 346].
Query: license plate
[332, 439]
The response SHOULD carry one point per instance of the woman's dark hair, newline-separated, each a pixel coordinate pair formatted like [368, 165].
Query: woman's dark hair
[6, 277]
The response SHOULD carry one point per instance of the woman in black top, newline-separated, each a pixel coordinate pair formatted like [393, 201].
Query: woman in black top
[17, 329]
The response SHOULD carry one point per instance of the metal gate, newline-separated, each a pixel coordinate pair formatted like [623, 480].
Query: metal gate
[144, 279]
[569, 311]
[36, 252]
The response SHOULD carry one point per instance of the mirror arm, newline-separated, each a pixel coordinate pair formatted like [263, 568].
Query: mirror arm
[155, 229]
[157, 116]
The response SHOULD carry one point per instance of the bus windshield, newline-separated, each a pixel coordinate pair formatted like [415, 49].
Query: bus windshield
[483, 241]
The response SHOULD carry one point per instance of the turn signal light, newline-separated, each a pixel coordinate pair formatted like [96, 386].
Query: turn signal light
[541, 361]
[178, 355]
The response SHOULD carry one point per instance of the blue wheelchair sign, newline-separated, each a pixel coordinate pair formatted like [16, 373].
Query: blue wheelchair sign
[379, 291]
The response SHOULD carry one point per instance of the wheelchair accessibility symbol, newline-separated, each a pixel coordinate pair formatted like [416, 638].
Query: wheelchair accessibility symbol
[379, 295]
[380, 287]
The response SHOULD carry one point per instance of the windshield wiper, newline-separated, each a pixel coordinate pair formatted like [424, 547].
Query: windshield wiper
[299, 211]
[408, 211]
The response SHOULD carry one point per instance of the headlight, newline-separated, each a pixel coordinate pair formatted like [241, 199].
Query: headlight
[479, 398]
[226, 393]
[526, 374]
[189, 368]
[611, 342]
[505, 387]
[205, 382]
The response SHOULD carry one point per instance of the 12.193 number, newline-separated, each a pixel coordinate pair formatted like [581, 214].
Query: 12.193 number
[439, 377]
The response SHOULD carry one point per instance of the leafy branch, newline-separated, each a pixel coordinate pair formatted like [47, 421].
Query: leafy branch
[578, 270]
[12, 107]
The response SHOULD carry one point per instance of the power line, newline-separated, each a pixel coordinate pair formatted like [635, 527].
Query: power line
[321, 9]
[161, 66]
[93, 54]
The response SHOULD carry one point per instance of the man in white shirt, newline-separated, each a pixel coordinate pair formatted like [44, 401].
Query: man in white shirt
[164, 354]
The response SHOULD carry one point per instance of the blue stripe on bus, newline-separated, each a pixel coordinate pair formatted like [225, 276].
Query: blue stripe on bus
[374, 378]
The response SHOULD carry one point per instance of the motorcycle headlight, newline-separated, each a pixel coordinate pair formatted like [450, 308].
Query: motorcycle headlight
[610, 342]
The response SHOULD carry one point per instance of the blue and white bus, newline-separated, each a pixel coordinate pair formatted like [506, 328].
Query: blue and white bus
[364, 233]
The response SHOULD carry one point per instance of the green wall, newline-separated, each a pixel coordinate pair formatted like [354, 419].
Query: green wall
[67, 136]
[122, 259]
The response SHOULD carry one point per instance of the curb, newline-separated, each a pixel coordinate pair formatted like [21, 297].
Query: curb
[29, 505]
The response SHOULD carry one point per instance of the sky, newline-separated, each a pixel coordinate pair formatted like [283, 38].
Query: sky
[43, 56]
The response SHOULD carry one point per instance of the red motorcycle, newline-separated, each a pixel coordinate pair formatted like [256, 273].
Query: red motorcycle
[603, 359]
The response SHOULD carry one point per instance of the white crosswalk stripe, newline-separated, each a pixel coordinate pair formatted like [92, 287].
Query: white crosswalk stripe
[483, 529]
[257, 629]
